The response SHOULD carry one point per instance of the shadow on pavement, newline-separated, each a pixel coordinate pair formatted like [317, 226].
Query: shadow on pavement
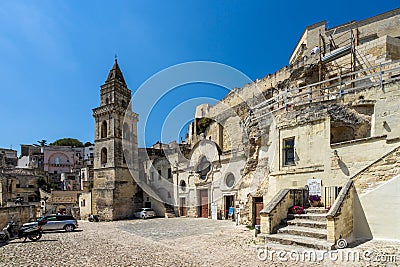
[61, 232]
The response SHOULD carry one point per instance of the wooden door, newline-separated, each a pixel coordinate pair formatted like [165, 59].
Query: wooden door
[204, 203]
[183, 206]
[258, 206]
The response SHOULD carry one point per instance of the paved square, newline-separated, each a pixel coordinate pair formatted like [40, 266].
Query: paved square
[155, 242]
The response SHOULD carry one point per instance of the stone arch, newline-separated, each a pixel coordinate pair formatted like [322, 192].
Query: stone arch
[103, 155]
[104, 130]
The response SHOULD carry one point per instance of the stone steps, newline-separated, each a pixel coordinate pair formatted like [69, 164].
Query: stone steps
[315, 210]
[307, 223]
[304, 231]
[307, 230]
[294, 240]
[309, 216]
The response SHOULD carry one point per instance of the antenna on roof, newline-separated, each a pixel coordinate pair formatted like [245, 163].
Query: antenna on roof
[115, 57]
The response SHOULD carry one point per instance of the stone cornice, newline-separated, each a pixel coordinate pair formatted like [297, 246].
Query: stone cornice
[112, 108]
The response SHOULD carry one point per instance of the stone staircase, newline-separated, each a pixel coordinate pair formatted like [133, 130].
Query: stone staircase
[306, 230]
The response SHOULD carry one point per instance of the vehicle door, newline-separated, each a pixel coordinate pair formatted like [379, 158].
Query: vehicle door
[60, 223]
[51, 223]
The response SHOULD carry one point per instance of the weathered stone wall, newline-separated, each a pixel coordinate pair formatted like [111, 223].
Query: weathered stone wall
[275, 211]
[85, 205]
[340, 218]
[22, 214]
[380, 171]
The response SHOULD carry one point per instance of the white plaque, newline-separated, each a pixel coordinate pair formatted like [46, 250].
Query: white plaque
[314, 186]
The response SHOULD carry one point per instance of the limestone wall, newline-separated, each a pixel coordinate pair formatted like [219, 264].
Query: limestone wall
[340, 218]
[276, 211]
[85, 205]
[22, 214]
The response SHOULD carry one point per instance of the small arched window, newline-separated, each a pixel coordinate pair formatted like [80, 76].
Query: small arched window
[107, 101]
[103, 130]
[182, 184]
[103, 155]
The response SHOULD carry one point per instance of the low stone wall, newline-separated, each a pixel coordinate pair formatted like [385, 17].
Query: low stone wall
[275, 211]
[340, 217]
[22, 214]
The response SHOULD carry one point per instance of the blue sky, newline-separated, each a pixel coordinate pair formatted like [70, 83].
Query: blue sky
[55, 54]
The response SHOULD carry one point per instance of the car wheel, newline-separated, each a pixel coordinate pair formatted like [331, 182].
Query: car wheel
[69, 228]
[143, 217]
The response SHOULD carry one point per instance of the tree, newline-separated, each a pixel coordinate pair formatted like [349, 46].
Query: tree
[67, 142]
[41, 143]
[88, 144]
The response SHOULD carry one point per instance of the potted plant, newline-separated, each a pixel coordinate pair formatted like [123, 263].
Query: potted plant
[314, 200]
[297, 209]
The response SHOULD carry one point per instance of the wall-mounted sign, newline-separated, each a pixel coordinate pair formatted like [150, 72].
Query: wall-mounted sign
[314, 186]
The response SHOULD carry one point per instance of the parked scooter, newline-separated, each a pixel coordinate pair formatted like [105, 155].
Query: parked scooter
[93, 218]
[12, 231]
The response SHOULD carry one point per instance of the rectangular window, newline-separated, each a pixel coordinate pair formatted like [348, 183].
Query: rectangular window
[159, 174]
[169, 173]
[288, 151]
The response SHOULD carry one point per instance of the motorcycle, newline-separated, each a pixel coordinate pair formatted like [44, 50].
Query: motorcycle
[11, 232]
[93, 218]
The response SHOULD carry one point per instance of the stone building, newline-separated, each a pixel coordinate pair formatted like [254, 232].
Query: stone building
[19, 186]
[313, 120]
[8, 158]
[31, 158]
[326, 125]
[115, 193]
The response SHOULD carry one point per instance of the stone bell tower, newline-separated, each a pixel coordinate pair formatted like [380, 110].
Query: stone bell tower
[115, 148]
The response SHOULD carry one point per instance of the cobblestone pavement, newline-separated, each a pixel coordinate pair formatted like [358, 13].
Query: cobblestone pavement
[167, 242]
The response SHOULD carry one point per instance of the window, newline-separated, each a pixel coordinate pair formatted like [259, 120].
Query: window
[57, 160]
[18, 186]
[288, 151]
[182, 184]
[230, 180]
[103, 130]
[152, 176]
[159, 174]
[83, 203]
[103, 155]
[203, 168]
[169, 173]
